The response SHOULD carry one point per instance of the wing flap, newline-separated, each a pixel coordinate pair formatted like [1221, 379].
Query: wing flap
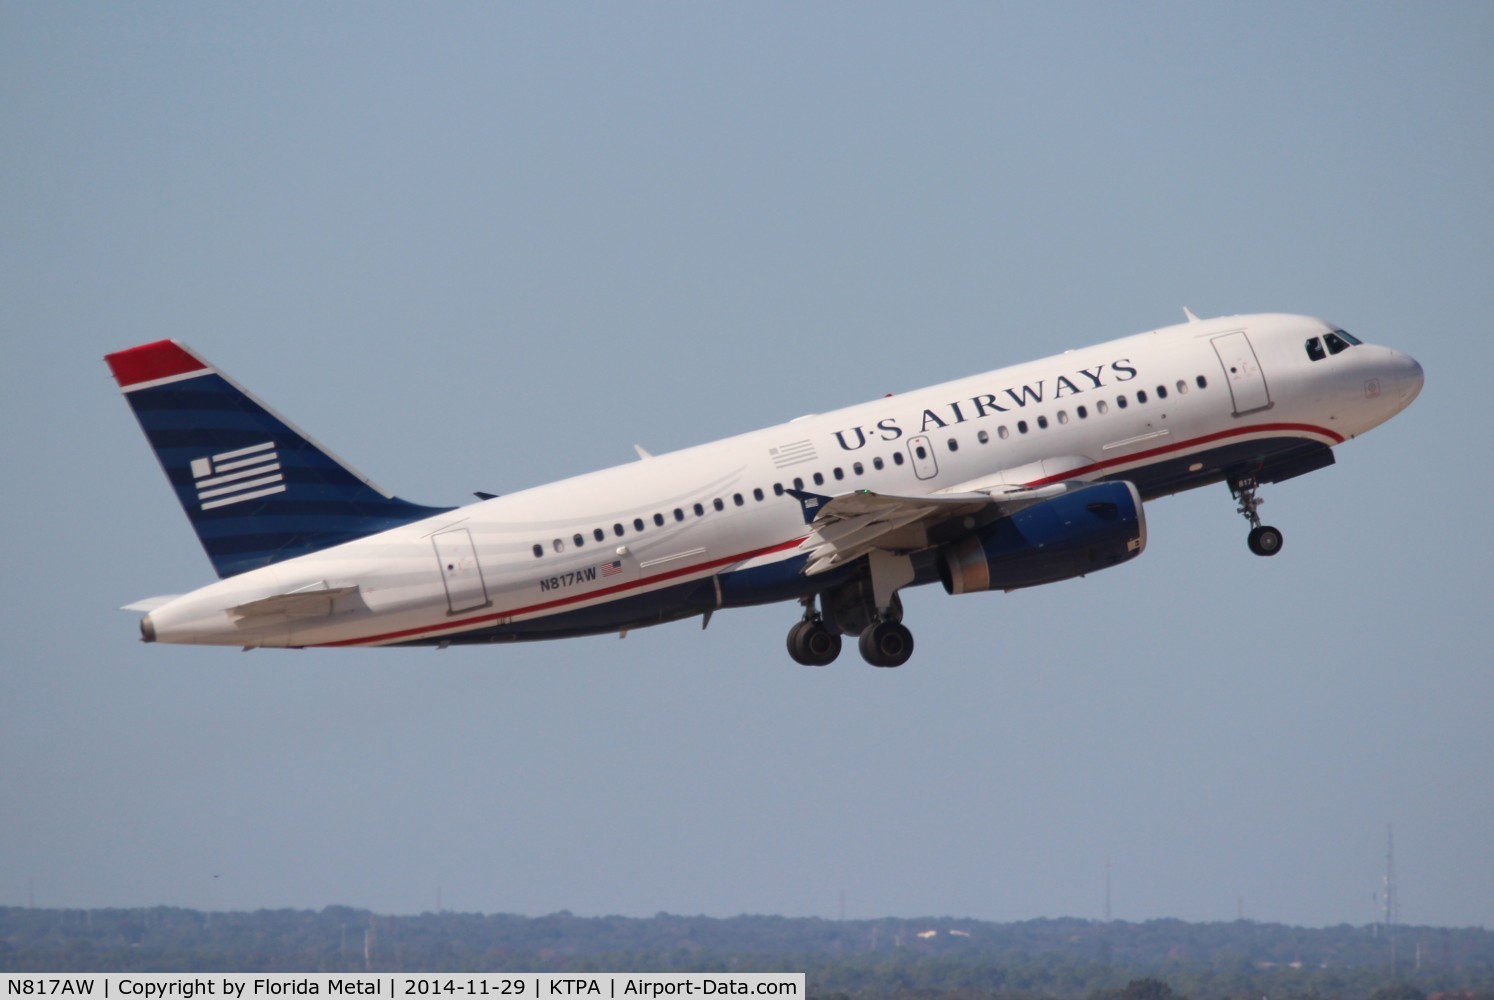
[849, 526]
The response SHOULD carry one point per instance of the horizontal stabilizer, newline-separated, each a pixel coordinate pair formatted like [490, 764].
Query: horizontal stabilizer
[317, 601]
[149, 604]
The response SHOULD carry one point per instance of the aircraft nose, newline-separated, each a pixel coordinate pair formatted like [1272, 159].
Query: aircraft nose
[1408, 378]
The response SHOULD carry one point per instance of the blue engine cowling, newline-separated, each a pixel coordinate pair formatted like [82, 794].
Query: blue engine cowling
[1078, 532]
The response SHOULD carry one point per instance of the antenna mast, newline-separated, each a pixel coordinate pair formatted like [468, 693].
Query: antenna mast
[1392, 899]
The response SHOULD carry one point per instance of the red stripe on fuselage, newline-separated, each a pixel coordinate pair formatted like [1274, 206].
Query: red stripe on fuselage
[1190, 444]
[560, 602]
[591, 595]
[150, 362]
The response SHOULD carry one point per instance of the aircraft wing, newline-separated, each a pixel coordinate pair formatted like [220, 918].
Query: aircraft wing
[847, 527]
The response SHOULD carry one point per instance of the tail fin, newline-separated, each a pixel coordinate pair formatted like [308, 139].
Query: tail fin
[256, 489]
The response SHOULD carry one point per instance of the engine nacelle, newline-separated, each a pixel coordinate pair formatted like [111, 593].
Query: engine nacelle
[1074, 533]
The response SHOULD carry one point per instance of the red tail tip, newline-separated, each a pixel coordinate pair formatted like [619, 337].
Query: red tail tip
[149, 362]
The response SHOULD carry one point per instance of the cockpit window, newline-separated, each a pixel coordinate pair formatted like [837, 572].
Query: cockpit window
[1336, 344]
[1315, 350]
[1348, 336]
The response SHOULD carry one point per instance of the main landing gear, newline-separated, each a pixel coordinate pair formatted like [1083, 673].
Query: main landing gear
[1263, 539]
[867, 606]
[811, 642]
[886, 644]
[883, 643]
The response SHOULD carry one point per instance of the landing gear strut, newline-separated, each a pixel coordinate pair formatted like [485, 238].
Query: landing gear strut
[811, 642]
[886, 641]
[867, 603]
[1263, 539]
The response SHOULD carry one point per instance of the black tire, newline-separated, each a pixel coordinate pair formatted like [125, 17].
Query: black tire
[812, 644]
[886, 644]
[1264, 540]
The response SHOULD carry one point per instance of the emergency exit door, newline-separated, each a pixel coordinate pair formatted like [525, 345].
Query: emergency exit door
[921, 450]
[460, 570]
[1247, 383]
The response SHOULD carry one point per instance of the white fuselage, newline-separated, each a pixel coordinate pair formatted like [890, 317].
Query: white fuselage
[709, 526]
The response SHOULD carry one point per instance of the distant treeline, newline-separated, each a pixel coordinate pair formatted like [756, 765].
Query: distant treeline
[924, 957]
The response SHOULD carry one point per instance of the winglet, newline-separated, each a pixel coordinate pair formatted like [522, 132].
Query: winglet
[812, 503]
[1189, 313]
[641, 453]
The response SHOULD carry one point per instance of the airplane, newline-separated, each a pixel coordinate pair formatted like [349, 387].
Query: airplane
[1021, 476]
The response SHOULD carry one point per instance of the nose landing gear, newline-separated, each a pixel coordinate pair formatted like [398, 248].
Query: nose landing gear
[1263, 539]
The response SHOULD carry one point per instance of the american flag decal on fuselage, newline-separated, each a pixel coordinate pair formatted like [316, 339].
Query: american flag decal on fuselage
[235, 476]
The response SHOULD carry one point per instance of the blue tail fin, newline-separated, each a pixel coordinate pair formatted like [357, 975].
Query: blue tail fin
[256, 489]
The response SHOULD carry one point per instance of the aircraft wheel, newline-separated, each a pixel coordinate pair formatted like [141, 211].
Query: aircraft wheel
[886, 644]
[812, 644]
[1264, 540]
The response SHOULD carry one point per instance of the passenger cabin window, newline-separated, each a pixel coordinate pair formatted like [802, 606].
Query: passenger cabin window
[1315, 350]
[539, 550]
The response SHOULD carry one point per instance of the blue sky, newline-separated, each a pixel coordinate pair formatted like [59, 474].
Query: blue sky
[480, 247]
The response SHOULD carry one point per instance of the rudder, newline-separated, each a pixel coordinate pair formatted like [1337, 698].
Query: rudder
[256, 489]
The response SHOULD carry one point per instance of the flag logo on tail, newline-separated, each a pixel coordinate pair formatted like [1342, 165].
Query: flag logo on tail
[235, 476]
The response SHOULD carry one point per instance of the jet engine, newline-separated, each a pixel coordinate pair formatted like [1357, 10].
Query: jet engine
[1077, 532]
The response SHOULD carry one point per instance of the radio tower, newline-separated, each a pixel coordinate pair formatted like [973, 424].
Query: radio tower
[1392, 900]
